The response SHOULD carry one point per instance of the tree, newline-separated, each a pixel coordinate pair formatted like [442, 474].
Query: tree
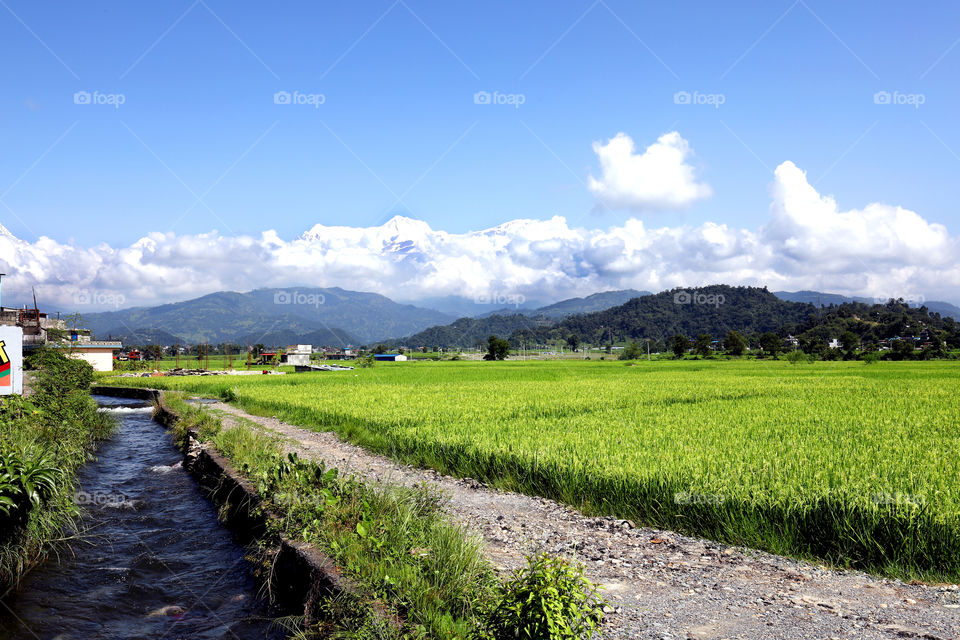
[631, 352]
[573, 340]
[380, 349]
[701, 345]
[73, 320]
[259, 348]
[771, 344]
[902, 349]
[796, 357]
[736, 343]
[936, 345]
[849, 341]
[497, 349]
[678, 344]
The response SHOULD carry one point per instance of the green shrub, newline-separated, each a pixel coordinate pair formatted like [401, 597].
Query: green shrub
[44, 440]
[549, 598]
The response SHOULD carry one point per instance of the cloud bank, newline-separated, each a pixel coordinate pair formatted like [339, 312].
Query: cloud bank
[808, 242]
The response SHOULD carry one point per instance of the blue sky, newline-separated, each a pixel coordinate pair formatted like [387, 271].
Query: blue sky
[199, 143]
[399, 97]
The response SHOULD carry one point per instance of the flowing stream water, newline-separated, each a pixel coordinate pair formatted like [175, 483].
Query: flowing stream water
[153, 563]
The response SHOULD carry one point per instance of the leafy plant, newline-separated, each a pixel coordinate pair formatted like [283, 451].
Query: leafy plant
[549, 598]
[26, 480]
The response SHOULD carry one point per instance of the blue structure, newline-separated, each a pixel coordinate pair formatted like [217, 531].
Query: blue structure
[390, 357]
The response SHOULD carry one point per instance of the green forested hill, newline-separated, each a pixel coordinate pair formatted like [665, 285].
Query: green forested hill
[232, 316]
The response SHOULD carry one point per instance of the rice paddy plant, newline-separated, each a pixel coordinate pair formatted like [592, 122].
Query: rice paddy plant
[852, 464]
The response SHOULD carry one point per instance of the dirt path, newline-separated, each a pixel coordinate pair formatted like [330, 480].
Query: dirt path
[663, 585]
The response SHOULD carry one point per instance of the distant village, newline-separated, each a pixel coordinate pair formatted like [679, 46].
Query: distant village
[43, 330]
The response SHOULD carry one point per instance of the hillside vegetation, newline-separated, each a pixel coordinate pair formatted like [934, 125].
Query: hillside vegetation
[712, 311]
[229, 316]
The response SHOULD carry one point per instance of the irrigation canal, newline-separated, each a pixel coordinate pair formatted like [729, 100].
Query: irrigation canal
[153, 561]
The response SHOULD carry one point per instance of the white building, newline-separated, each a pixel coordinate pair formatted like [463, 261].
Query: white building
[300, 355]
[98, 353]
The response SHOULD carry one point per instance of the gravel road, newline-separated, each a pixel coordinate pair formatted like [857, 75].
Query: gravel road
[661, 584]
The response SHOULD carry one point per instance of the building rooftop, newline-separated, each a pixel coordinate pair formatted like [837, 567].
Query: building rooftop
[93, 344]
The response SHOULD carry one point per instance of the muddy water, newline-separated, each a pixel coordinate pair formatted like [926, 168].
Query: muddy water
[154, 563]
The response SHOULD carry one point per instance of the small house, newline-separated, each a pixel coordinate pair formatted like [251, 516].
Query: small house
[390, 357]
[99, 353]
[299, 355]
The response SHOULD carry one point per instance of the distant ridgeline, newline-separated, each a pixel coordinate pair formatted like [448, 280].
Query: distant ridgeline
[714, 310]
[338, 318]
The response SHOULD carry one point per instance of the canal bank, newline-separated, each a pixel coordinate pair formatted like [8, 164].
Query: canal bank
[356, 558]
[302, 579]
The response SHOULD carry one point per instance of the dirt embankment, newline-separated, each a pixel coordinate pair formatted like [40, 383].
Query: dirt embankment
[662, 585]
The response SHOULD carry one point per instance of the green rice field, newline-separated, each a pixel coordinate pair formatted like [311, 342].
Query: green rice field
[854, 464]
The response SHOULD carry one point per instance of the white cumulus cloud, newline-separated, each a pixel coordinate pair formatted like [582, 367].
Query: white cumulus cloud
[657, 179]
